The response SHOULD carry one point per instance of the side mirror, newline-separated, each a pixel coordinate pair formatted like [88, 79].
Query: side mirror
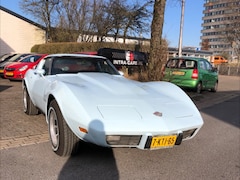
[40, 72]
[215, 69]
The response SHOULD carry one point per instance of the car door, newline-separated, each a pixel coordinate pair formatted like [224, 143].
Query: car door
[40, 83]
[211, 75]
[203, 73]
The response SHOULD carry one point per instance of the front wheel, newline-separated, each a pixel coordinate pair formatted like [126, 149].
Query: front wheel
[64, 142]
[28, 106]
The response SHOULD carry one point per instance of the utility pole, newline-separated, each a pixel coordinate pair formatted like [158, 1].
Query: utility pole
[181, 30]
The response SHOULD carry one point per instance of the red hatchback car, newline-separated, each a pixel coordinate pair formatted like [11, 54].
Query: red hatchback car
[17, 70]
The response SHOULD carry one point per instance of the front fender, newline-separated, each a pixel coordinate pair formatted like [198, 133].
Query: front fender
[73, 111]
[173, 91]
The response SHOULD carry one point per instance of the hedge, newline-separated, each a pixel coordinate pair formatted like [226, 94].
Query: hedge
[72, 47]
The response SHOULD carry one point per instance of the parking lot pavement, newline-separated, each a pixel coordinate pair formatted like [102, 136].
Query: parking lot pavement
[18, 129]
[228, 88]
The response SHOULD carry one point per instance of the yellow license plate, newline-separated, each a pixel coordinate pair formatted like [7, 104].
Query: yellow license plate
[9, 73]
[1, 71]
[163, 141]
[181, 73]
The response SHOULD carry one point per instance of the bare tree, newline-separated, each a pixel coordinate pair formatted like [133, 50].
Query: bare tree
[232, 27]
[157, 45]
[42, 11]
[116, 10]
[73, 18]
[205, 44]
[94, 17]
[101, 20]
[136, 19]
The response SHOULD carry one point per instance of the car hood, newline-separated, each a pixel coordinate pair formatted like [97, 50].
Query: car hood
[113, 89]
[115, 99]
[18, 64]
[104, 84]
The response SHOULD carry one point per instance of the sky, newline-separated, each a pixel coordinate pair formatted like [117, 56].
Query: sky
[192, 20]
[193, 13]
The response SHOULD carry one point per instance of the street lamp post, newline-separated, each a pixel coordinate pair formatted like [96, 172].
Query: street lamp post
[181, 30]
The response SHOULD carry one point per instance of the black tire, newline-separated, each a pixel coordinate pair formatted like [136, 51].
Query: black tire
[64, 142]
[28, 106]
[214, 89]
[199, 88]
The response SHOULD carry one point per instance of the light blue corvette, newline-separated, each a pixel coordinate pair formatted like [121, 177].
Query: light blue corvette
[85, 98]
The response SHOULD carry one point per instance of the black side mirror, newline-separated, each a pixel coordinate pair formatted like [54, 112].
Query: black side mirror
[214, 69]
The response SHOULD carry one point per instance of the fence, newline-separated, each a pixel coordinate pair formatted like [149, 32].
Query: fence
[229, 69]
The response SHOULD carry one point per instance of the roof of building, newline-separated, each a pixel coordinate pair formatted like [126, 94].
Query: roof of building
[21, 17]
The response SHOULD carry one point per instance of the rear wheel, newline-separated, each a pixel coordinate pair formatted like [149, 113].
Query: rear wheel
[214, 89]
[64, 142]
[28, 106]
[199, 88]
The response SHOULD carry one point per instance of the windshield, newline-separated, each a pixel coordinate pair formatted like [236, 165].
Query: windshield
[82, 64]
[14, 58]
[32, 58]
[18, 57]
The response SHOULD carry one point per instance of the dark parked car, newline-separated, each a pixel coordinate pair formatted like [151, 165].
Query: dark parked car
[6, 57]
[121, 57]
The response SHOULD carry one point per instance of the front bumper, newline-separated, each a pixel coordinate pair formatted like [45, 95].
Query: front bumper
[149, 141]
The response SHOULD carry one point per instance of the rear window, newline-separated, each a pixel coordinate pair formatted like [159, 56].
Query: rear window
[181, 63]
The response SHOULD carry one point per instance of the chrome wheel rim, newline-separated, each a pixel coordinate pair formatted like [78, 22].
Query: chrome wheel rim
[53, 128]
[25, 99]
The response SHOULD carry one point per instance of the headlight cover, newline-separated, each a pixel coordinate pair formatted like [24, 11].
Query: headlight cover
[23, 68]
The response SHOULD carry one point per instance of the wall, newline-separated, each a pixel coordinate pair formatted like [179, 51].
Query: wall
[17, 35]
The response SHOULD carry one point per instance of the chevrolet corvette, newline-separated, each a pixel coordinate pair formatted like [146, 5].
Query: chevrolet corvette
[84, 97]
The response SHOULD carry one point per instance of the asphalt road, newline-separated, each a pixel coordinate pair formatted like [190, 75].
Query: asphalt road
[213, 154]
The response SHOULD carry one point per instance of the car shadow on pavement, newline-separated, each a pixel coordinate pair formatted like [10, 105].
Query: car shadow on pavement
[226, 111]
[3, 87]
[92, 161]
[220, 105]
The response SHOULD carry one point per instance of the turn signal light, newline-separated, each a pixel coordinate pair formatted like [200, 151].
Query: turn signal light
[123, 140]
[83, 130]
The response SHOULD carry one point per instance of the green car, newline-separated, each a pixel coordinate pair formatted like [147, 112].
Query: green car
[191, 73]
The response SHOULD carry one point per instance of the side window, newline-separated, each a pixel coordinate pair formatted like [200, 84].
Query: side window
[202, 65]
[208, 66]
[172, 63]
[181, 63]
[190, 64]
[47, 65]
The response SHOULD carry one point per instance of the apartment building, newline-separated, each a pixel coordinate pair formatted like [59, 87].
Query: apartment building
[221, 27]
